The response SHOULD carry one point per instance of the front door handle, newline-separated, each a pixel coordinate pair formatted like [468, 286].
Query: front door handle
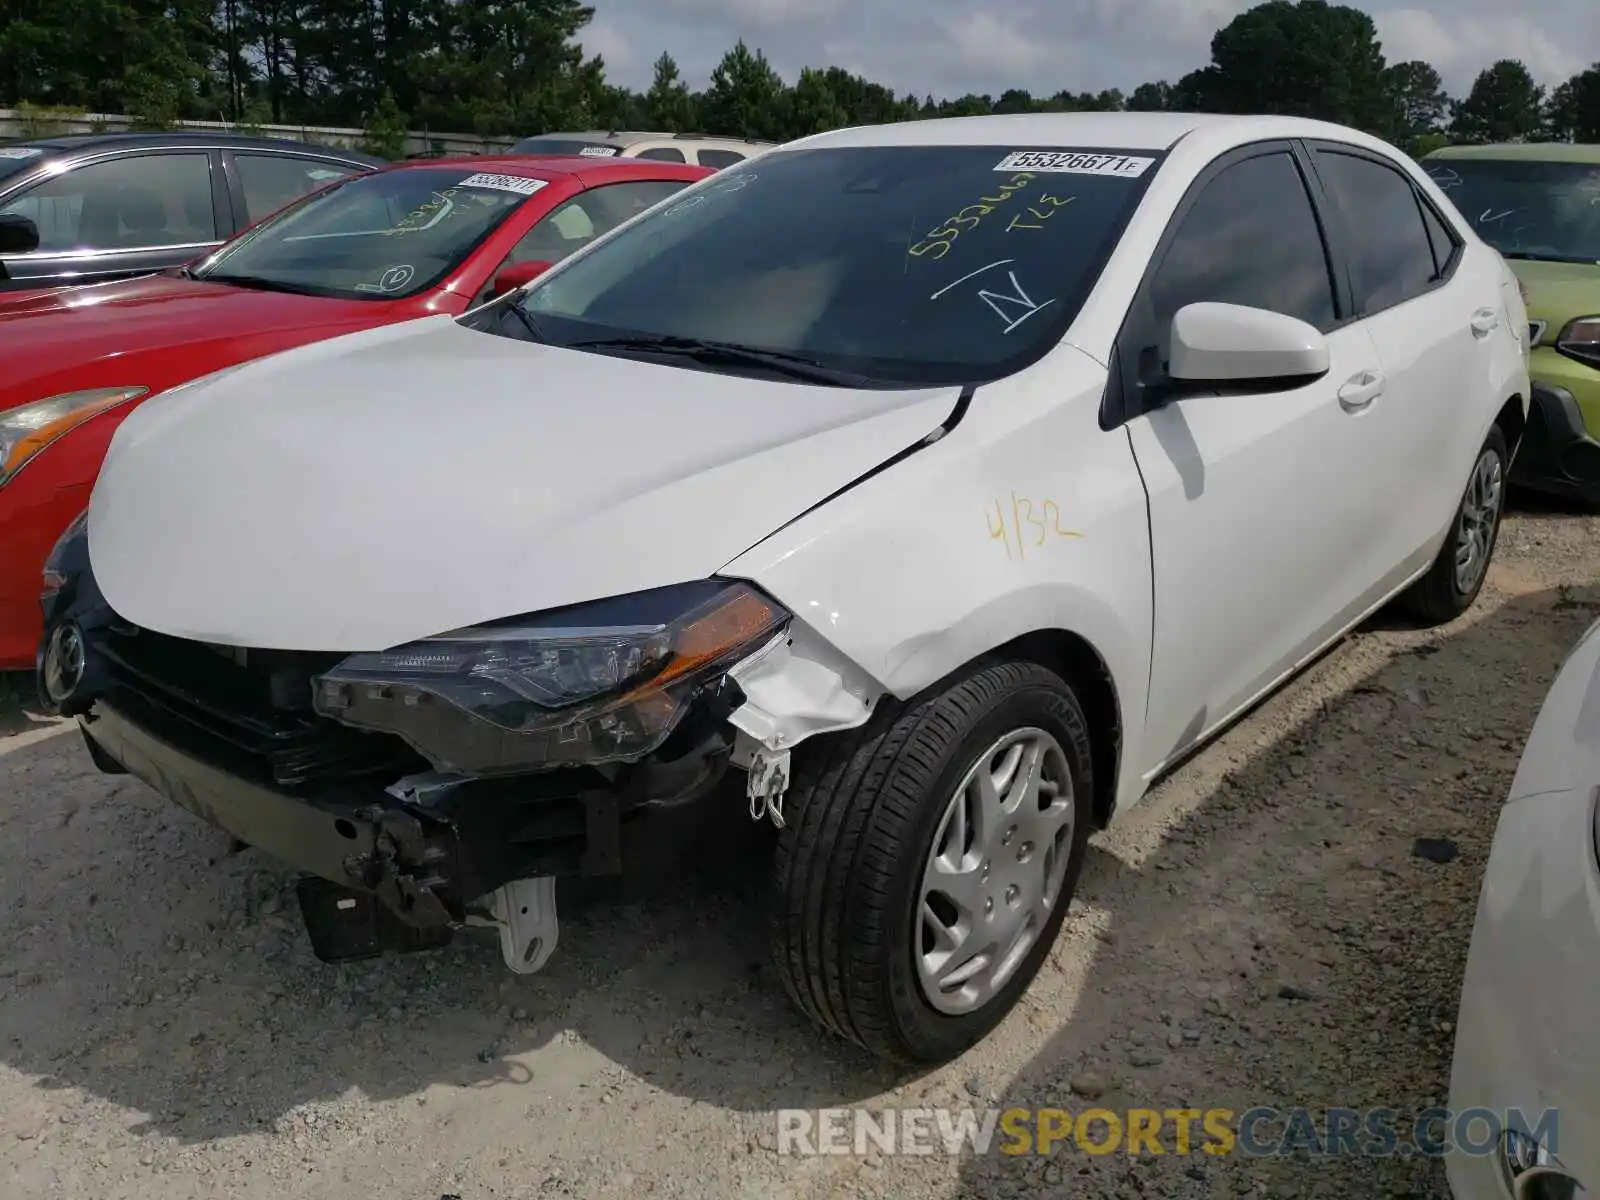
[1360, 391]
[1484, 322]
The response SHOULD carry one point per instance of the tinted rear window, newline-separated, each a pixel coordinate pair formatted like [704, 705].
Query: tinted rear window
[907, 264]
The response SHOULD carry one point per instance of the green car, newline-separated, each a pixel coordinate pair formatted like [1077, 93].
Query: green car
[1539, 205]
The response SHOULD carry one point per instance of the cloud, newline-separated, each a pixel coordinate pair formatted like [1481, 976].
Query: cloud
[951, 47]
[604, 37]
[756, 14]
[1465, 44]
[984, 43]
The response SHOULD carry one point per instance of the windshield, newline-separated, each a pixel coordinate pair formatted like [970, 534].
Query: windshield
[901, 265]
[381, 236]
[15, 159]
[565, 145]
[1539, 210]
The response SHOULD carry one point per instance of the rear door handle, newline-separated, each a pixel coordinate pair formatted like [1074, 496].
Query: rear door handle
[1484, 322]
[1361, 390]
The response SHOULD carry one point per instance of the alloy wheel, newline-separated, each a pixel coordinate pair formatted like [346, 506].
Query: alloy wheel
[1480, 516]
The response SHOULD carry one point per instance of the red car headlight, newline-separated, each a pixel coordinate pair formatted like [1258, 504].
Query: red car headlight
[26, 430]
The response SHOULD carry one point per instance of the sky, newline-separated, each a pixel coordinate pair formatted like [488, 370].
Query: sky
[952, 47]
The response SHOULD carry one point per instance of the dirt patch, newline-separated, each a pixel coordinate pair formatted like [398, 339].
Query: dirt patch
[19, 704]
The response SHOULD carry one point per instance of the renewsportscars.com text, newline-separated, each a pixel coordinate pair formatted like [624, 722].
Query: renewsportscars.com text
[1257, 1132]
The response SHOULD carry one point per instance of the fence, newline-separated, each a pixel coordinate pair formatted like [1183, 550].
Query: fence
[31, 123]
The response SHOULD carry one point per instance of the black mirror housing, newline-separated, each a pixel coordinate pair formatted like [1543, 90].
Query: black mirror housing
[18, 234]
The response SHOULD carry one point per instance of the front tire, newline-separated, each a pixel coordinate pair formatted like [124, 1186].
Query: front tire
[929, 859]
[1457, 574]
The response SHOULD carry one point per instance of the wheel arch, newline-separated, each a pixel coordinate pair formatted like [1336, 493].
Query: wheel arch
[1512, 421]
[1073, 657]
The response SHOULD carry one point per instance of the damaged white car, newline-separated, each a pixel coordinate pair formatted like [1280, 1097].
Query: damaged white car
[950, 480]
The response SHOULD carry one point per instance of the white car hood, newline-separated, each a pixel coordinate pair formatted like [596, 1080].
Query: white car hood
[386, 486]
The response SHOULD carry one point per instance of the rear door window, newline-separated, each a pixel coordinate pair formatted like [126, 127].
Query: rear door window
[1394, 256]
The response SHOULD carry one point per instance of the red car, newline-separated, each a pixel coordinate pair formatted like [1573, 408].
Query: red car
[418, 239]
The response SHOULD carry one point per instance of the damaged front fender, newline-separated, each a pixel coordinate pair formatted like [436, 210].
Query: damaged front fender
[795, 687]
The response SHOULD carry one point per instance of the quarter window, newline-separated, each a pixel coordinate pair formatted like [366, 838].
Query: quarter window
[1390, 243]
[1440, 238]
[272, 181]
[1252, 238]
[141, 200]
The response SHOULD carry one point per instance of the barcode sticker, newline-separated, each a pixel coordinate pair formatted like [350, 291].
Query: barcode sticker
[1075, 162]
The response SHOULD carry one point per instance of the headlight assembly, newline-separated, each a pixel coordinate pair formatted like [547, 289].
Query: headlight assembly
[26, 430]
[1580, 339]
[601, 682]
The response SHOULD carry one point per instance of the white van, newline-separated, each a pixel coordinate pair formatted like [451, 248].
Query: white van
[716, 152]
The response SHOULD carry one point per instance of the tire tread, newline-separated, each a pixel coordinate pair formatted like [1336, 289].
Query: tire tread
[853, 803]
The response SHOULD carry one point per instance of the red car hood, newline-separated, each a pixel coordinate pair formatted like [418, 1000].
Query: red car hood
[162, 330]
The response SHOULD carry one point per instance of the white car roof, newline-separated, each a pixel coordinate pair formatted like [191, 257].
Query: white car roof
[1120, 130]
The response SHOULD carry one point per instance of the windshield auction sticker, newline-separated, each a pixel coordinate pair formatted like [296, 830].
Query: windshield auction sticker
[504, 183]
[1075, 162]
[20, 152]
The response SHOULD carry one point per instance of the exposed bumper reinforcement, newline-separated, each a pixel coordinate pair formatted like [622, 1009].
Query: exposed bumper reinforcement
[406, 861]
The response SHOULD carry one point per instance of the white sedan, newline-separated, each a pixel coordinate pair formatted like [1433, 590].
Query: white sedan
[1524, 1054]
[949, 480]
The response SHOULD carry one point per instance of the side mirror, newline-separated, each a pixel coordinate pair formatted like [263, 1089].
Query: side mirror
[1231, 344]
[518, 275]
[18, 235]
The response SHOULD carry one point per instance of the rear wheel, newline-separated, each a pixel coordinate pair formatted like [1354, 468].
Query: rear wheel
[929, 859]
[1457, 574]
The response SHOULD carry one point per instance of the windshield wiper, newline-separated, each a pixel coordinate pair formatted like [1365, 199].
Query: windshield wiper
[258, 282]
[796, 366]
[528, 322]
[1529, 256]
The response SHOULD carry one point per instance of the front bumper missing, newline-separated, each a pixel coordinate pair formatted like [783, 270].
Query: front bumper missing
[396, 875]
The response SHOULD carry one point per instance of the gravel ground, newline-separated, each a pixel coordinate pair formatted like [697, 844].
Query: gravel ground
[165, 1032]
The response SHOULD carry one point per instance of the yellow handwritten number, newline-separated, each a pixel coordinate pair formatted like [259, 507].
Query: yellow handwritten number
[1023, 518]
[1022, 511]
[966, 222]
[997, 527]
[1055, 520]
[937, 242]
